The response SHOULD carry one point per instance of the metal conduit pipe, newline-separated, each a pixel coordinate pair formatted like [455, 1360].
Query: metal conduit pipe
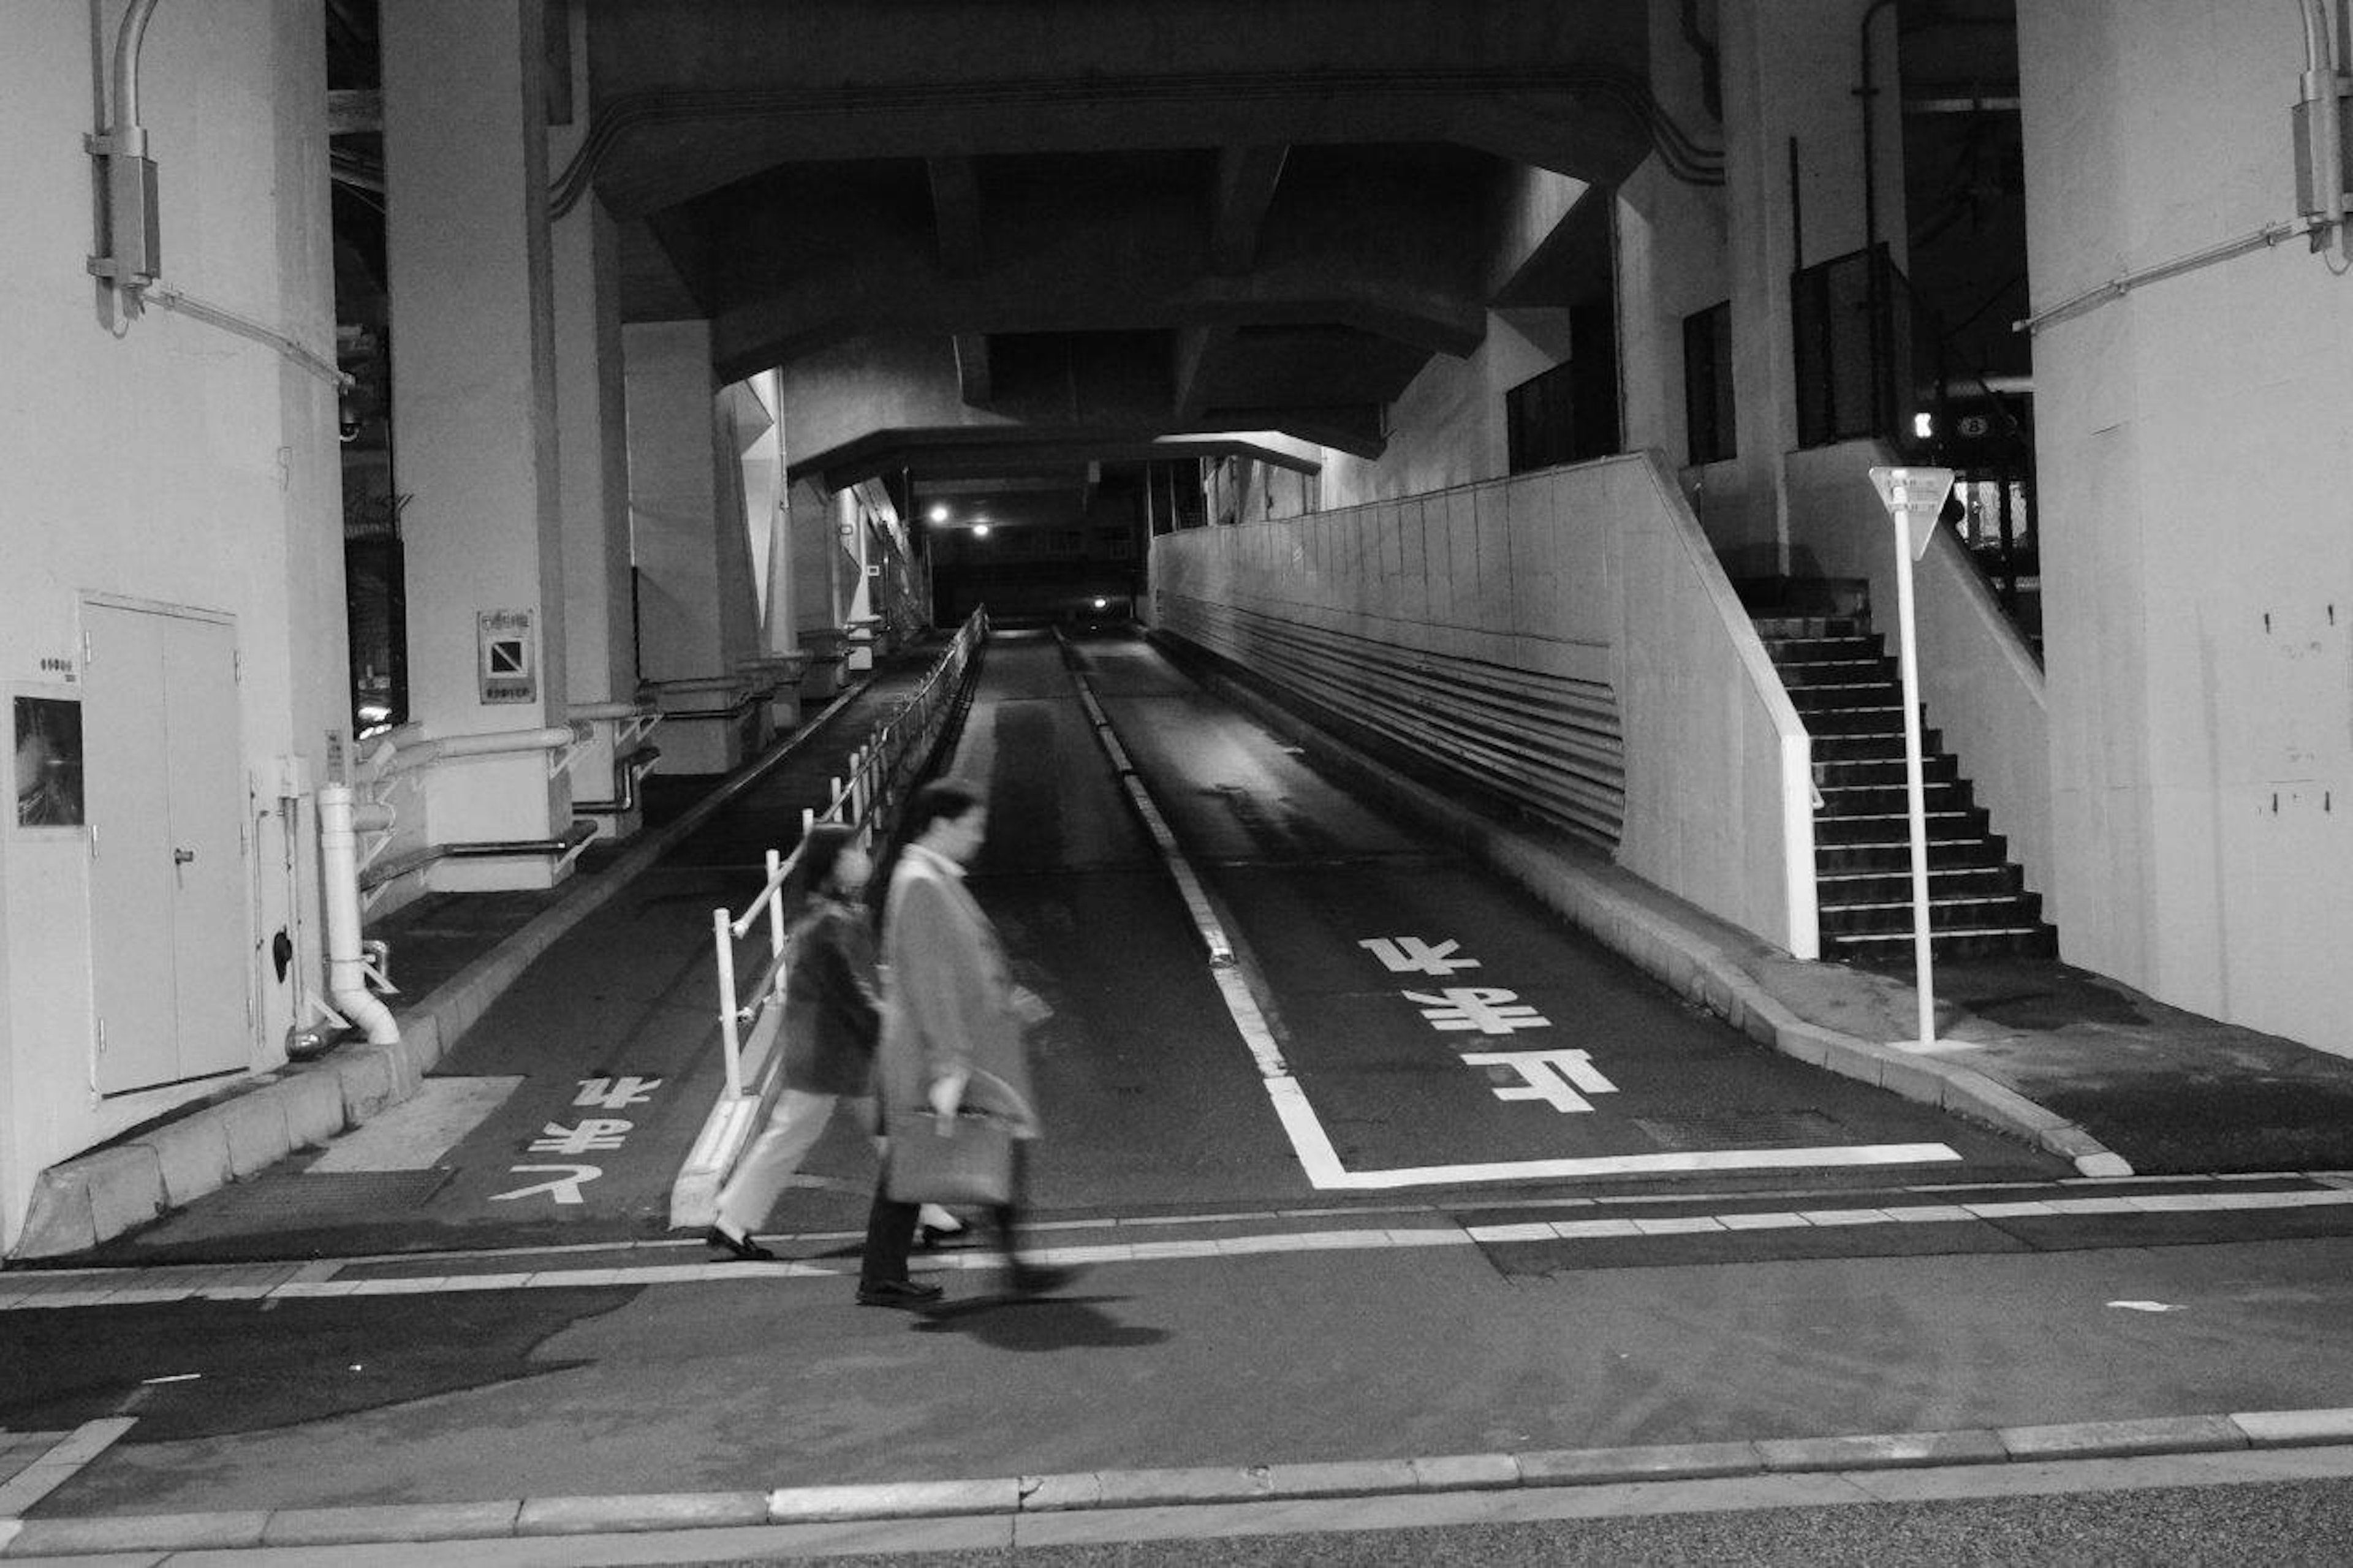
[2325, 111]
[346, 964]
[627, 774]
[614, 710]
[405, 756]
[566, 845]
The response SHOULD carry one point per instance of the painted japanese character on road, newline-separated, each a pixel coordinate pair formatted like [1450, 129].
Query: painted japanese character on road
[615, 1093]
[595, 1135]
[564, 1189]
[1484, 1008]
[1413, 955]
[1553, 1077]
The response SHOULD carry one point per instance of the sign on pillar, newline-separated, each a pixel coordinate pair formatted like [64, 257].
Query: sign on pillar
[1913, 499]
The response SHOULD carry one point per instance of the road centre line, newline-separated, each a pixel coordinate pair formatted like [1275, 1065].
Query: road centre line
[156, 1287]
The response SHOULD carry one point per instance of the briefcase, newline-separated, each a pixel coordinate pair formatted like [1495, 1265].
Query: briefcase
[969, 1163]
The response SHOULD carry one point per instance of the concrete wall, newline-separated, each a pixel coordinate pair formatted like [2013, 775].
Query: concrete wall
[1978, 681]
[1588, 584]
[2198, 571]
[1447, 428]
[1789, 75]
[166, 460]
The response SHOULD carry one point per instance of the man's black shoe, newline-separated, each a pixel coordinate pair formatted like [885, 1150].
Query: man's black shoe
[897, 1293]
[742, 1247]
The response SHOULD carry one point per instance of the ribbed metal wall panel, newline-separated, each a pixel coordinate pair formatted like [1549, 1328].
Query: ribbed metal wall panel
[1551, 744]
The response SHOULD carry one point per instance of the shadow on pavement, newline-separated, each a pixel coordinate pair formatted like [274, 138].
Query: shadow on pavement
[1037, 1323]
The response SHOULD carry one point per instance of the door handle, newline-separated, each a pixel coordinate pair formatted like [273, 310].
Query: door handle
[182, 856]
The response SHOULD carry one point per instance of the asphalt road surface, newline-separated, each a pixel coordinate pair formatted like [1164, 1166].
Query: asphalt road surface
[1627, 1225]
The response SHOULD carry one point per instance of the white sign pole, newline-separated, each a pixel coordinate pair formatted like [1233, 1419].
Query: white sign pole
[1913, 496]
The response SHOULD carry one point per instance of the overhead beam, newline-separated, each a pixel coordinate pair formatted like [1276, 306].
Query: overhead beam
[973, 379]
[1245, 189]
[937, 457]
[955, 213]
[1198, 347]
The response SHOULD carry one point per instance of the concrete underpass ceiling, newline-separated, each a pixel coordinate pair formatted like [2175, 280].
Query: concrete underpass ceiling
[1026, 232]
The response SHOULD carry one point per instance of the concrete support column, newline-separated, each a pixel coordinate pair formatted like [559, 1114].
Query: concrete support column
[760, 450]
[813, 521]
[592, 422]
[474, 418]
[1790, 75]
[695, 620]
[858, 594]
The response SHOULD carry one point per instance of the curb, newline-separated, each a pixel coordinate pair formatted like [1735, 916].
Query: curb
[90, 1198]
[1682, 958]
[1108, 1491]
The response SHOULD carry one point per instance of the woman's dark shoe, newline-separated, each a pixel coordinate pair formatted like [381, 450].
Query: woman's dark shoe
[742, 1247]
[897, 1293]
[940, 1231]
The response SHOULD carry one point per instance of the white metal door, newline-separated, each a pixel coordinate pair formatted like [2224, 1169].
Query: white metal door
[211, 941]
[164, 793]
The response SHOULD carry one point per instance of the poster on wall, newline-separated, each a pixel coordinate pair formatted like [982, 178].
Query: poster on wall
[47, 769]
[508, 671]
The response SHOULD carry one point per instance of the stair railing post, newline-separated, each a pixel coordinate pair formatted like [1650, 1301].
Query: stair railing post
[1913, 497]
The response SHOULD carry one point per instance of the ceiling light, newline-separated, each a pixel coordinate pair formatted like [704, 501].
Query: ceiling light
[980, 531]
[940, 511]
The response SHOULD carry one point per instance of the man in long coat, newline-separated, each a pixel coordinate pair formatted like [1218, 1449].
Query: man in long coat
[953, 1022]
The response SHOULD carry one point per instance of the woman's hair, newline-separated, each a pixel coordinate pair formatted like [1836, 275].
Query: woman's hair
[812, 872]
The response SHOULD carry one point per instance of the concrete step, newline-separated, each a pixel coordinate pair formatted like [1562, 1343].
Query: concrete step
[1892, 798]
[1945, 913]
[1996, 941]
[1895, 827]
[1880, 886]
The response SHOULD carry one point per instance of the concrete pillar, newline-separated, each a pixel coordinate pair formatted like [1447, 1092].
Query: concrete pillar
[813, 519]
[775, 664]
[474, 417]
[600, 651]
[779, 630]
[694, 624]
[1790, 73]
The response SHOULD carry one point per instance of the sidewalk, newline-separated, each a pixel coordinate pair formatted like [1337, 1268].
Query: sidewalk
[453, 956]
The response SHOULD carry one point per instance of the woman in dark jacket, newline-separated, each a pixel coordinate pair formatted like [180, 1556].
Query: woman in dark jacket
[831, 1020]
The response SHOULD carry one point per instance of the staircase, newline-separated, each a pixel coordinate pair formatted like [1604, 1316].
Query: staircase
[1848, 691]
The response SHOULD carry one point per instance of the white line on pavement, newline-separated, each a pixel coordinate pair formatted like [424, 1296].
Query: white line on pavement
[59, 1465]
[166, 1285]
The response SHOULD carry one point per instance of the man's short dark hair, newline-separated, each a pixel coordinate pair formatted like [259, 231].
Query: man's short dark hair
[949, 798]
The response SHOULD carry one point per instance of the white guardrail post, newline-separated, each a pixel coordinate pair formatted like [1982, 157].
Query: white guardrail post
[722, 933]
[857, 801]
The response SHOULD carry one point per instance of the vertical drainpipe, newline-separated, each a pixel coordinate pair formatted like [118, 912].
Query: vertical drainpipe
[1881, 411]
[346, 966]
[129, 261]
[2324, 113]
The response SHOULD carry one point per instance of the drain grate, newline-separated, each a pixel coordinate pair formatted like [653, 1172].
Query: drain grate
[1766, 1129]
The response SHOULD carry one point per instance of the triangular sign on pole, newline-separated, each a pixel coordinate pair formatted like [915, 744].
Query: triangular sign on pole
[1913, 497]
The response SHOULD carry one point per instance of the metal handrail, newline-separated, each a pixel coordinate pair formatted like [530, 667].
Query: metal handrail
[866, 799]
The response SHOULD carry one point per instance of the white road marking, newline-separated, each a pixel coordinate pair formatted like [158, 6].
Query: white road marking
[59, 1465]
[418, 1132]
[61, 1289]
